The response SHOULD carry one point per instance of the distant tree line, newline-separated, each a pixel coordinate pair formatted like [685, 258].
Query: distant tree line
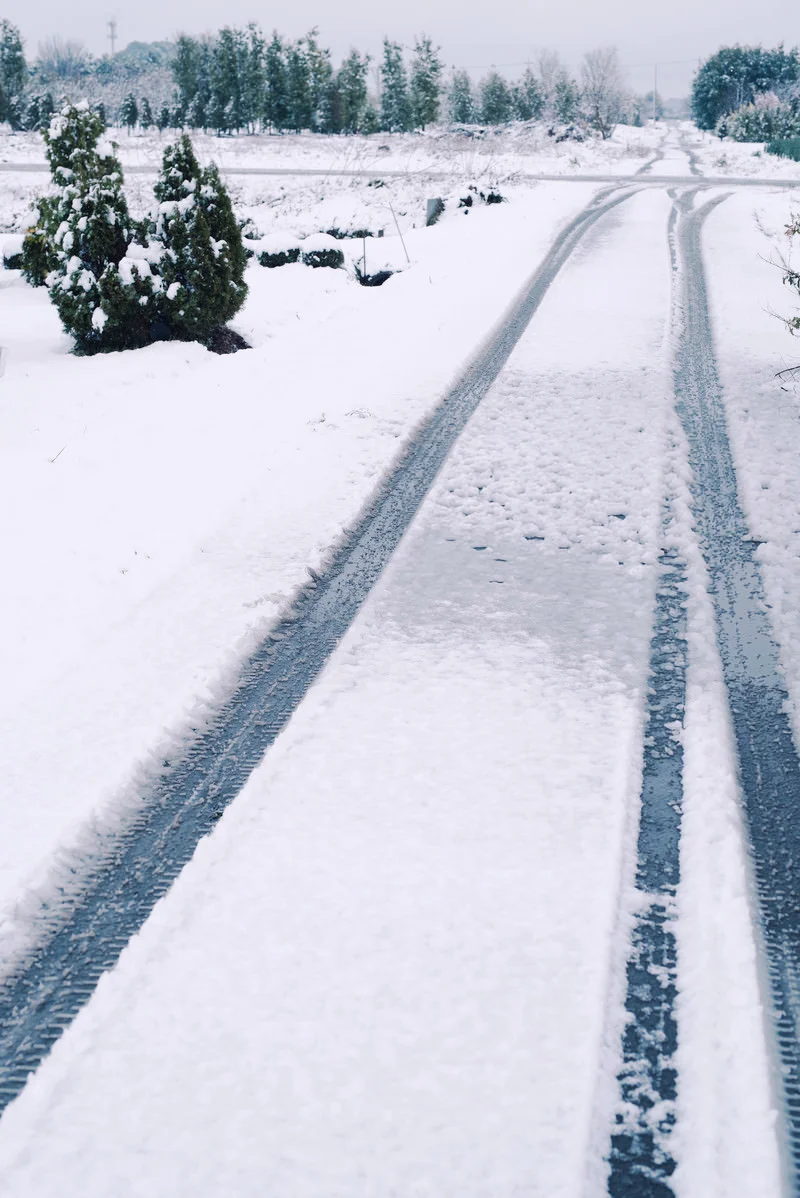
[239, 80]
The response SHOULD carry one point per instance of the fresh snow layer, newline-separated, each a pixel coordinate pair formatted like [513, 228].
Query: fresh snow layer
[162, 507]
[387, 972]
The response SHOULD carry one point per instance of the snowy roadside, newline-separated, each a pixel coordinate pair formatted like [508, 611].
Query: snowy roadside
[398, 942]
[161, 507]
[501, 151]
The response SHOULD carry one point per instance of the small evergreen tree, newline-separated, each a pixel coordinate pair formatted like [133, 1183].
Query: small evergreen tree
[298, 87]
[196, 117]
[104, 299]
[216, 115]
[129, 112]
[461, 101]
[13, 68]
[33, 116]
[395, 101]
[163, 118]
[185, 68]
[351, 82]
[528, 97]
[202, 256]
[252, 86]
[426, 86]
[276, 101]
[320, 75]
[496, 101]
[146, 115]
[370, 121]
[566, 99]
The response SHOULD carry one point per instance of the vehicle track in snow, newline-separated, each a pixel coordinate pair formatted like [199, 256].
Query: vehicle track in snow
[768, 763]
[641, 1160]
[43, 996]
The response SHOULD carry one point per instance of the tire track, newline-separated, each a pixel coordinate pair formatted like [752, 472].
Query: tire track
[768, 764]
[641, 1160]
[183, 804]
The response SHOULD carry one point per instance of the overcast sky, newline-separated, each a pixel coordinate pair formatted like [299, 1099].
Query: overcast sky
[472, 33]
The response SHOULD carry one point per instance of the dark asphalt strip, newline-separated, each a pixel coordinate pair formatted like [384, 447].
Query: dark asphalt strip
[640, 1159]
[184, 803]
[769, 768]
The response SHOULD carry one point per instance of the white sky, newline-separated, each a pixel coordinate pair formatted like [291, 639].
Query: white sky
[472, 34]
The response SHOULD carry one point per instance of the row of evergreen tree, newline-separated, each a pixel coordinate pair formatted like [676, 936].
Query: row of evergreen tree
[239, 80]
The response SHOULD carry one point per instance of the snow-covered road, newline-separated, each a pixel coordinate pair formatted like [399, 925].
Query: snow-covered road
[398, 964]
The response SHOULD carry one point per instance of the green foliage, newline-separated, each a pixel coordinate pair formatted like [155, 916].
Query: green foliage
[528, 97]
[276, 101]
[39, 256]
[348, 95]
[202, 259]
[13, 68]
[497, 106]
[426, 87]
[766, 119]
[146, 115]
[324, 257]
[396, 114]
[566, 99]
[129, 112]
[104, 299]
[735, 75]
[461, 101]
[786, 147]
[280, 258]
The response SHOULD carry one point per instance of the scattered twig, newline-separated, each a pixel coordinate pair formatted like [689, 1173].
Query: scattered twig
[58, 455]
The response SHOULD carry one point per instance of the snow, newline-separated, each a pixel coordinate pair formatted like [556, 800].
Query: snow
[397, 943]
[405, 943]
[168, 504]
[746, 242]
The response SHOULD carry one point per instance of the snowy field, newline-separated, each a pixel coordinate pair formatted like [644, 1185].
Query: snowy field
[396, 966]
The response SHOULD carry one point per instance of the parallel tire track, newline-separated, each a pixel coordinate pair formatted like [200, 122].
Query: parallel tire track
[182, 805]
[769, 767]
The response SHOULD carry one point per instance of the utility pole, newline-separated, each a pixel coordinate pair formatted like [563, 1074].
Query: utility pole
[112, 34]
[655, 89]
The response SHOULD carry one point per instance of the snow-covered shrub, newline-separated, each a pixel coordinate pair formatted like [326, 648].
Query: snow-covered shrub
[321, 250]
[104, 299]
[766, 119]
[11, 252]
[279, 249]
[202, 258]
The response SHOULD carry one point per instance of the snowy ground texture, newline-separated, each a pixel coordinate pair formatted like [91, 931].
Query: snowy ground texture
[397, 967]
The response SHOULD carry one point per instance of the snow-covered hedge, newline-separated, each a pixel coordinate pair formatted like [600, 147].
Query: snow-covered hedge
[321, 250]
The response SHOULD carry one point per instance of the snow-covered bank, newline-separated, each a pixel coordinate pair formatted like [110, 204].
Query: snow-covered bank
[397, 945]
[162, 506]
